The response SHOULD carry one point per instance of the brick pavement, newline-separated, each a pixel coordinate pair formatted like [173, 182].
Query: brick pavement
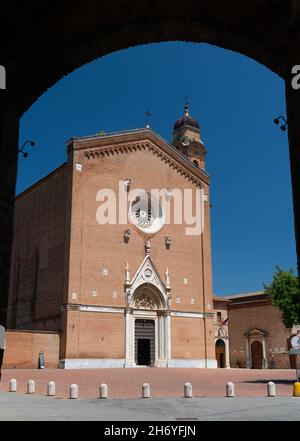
[165, 383]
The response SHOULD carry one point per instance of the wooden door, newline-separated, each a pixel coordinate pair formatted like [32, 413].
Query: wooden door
[257, 355]
[221, 354]
[145, 342]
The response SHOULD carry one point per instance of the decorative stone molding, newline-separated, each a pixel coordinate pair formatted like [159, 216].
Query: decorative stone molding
[187, 314]
[148, 298]
[127, 275]
[144, 302]
[148, 275]
[168, 242]
[256, 333]
[121, 150]
[221, 331]
[148, 247]
[92, 308]
[154, 144]
[139, 303]
[127, 235]
[168, 280]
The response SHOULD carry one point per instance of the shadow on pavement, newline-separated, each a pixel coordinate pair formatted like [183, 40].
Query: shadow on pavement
[283, 382]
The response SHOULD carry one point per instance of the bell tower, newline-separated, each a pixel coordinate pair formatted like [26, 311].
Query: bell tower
[187, 139]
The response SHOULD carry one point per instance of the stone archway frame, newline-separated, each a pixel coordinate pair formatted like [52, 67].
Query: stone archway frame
[265, 31]
[148, 298]
[247, 27]
[260, 336]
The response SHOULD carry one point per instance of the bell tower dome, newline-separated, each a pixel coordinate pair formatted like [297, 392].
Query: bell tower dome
[187, 138]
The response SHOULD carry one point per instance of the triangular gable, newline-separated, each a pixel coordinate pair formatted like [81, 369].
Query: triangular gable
[256, 333]
[148, 274]
[143, 139]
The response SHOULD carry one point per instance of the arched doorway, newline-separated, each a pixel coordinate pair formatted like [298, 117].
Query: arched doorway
[148, 324]
[257, 355]
[221, 354]
[257, 349]
[149, 327]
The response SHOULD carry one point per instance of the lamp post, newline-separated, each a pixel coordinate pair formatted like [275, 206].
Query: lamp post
[22, 149]
[278, 120]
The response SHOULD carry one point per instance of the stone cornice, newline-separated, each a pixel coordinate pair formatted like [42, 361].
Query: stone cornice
[127, 142]
[123, 310]
[253, 304]
[41, 181]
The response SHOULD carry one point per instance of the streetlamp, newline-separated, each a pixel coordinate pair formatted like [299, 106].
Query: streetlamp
[22, 149]
[284, 125]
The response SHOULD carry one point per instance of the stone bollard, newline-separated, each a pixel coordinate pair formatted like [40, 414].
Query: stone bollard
[188, 390]
[30, 387]
[230, 392]
[74, 392]
[146, 392]
[13, 385]
[51, 389]
[271, 389]
[103, 392]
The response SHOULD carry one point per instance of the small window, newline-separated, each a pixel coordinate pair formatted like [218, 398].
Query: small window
[219, 318]
[196, 163]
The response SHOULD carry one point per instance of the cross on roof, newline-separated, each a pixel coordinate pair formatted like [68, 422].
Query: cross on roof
[149, 116]
[187, 105]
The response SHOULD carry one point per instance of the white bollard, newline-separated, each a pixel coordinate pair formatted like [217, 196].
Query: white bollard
[188, 390]
[103, 392]
[230, 392]
[13, 385]
[74, 392]
[146, 392]
[51, 389]
[271, 389]
[30, 387]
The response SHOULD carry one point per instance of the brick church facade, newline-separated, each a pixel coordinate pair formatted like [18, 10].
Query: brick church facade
[121, 287]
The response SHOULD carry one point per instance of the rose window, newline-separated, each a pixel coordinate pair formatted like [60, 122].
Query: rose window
[143, 217]
[146, 212]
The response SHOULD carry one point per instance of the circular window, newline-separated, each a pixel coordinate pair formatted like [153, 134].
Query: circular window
[146, 213]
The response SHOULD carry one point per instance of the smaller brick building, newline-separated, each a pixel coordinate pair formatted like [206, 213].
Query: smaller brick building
[258, 338]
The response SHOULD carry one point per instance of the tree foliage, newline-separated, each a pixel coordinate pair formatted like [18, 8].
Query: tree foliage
[285, 293]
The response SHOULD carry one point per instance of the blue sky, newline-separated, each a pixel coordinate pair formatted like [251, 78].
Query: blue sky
[234, 98]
